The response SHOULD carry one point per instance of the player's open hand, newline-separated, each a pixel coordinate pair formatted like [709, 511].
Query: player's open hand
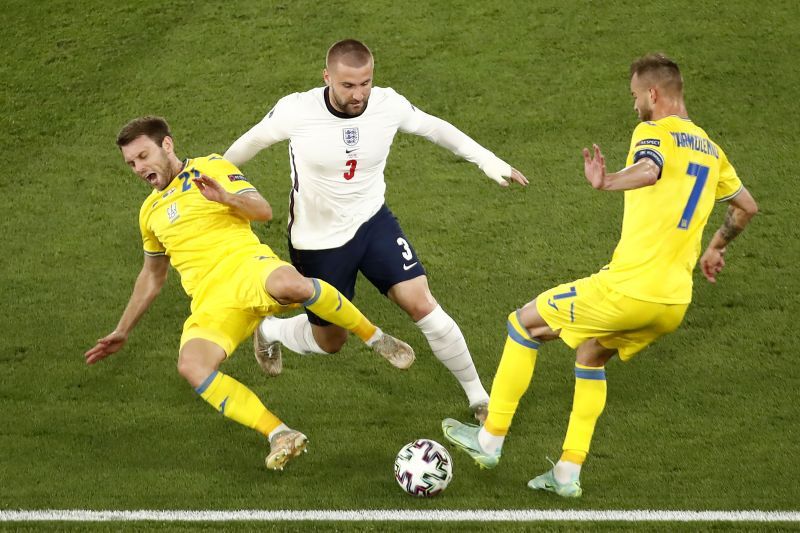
[211, 189]
[111, 343]
[594, 167]
[518, 177]
[712, 263]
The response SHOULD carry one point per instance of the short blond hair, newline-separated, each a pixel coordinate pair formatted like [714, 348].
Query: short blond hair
[660, 70]
[351, 52]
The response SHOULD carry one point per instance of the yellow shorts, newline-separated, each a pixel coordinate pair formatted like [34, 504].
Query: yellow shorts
[228, 305]
[589, 309]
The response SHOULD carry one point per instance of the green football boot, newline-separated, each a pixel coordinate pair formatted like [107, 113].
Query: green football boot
[465, 437]
[548, 482]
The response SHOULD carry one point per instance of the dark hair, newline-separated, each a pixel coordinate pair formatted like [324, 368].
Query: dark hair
[351, 52]
[660, 70]
[154, 127]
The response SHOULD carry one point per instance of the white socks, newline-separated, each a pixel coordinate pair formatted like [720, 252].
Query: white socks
[448, 345]
[490, 443]
[375, 337]
[443, 334]
[565, 471]
[295, 333]
[282, 427]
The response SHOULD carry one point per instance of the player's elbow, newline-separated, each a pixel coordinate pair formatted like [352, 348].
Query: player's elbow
[264, 214]
[651, 173]
[751, 209]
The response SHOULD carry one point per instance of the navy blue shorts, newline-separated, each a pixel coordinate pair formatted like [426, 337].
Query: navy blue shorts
[379, 250]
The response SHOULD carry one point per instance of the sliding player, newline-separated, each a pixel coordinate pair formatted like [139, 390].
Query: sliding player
[198, 218]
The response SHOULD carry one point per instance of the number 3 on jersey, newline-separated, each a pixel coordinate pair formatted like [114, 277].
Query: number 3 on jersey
[352, 172]
[700, 173]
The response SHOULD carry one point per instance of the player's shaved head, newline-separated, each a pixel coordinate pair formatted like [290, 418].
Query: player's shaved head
[659, 70]
[348, 52]
[154, 127]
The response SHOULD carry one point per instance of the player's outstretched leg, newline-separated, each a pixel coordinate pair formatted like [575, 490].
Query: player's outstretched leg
[513, 376]
[233, 399]
[287, 286]
[450, 348]
[444, 337]
[330, 305]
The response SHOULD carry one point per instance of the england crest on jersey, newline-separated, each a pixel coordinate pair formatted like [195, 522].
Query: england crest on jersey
[350, 136]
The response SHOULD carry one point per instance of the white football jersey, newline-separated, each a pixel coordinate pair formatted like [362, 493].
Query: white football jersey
[337, 160]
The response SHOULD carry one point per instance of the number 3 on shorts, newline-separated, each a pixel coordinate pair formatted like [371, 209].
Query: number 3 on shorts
[407, 255]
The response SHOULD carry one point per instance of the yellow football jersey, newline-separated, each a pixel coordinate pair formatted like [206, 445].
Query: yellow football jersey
[662, 227]
[196, 233]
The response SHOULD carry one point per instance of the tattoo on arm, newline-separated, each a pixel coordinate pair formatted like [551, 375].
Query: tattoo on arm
[729, 229]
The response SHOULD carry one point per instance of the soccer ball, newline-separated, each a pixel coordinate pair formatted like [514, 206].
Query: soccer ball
[423, 468]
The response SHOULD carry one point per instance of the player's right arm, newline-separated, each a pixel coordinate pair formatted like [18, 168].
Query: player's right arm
[273, 128]
[649, 145]
[148, 285]
[642, 173]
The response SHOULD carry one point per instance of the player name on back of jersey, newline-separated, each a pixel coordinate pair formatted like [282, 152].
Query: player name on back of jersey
[694, 142]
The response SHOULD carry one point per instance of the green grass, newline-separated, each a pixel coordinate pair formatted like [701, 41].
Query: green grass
[704, 419]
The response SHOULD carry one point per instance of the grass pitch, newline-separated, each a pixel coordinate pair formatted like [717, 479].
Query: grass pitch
[704, 419]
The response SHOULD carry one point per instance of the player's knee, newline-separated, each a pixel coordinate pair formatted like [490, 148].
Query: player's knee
[419, 308]
[592, 353]
[287, 286]
[193, 369]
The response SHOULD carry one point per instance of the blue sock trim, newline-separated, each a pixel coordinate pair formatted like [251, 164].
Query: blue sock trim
[317, 293]
[517, 337]
[586, 373]
[204, 385]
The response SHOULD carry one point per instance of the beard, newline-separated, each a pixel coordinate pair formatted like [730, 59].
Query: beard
[347, 106]
[645, 114]
[163, 172]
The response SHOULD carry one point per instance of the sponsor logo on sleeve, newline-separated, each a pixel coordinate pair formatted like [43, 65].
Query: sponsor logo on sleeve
[649, 142]
[236, 177]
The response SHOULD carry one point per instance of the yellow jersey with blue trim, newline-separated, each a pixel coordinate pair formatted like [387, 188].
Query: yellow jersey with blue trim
[196, 233]
[662, 226]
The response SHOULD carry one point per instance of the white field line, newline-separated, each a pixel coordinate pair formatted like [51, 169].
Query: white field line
[375, 515]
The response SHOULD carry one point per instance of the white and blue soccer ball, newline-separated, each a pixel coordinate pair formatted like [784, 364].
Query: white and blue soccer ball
[423, 468]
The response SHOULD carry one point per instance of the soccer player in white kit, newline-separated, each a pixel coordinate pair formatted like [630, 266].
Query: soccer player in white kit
[339, 138]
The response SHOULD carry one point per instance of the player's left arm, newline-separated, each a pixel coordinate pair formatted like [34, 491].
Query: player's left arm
[448, 136]
[642, 173]
[248, 203]
[741, 209]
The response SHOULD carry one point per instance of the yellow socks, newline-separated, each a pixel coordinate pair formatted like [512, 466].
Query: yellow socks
[330, 305]
[587, 405]
[513, 376]
[237, 402]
